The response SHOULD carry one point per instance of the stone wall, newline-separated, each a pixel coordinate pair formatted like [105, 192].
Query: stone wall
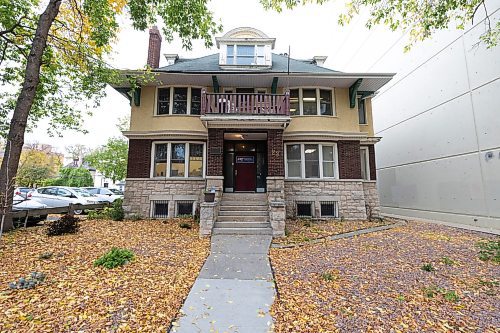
[140, 192]
[371, 198]
[350, 196]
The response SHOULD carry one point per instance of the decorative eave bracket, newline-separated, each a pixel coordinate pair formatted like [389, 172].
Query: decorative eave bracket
[215, 83]
[274, 86]
[353, 91]
[131, 94]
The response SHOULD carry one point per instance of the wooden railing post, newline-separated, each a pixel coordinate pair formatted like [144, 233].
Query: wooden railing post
[203, 101]
[266, 104]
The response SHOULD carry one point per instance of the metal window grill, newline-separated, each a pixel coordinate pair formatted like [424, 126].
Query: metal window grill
[159, 209]
[184, 208]
[304, 208]
[329, 208]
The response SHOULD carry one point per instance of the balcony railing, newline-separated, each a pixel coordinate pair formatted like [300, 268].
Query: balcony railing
[245, 104]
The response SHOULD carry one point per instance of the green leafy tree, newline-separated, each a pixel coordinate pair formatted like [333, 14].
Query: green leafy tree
[52, 58]
[420, 18]
[32, 175]
[75, 177]
[111, 159]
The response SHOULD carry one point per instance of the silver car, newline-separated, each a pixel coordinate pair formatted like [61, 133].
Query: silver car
[63, 196]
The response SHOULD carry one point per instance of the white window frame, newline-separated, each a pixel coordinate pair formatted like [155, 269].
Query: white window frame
[303, 159]
[359, 97]
[171, 100]
[367, 160]
[169, 158]
[255, 54]
[318, 103]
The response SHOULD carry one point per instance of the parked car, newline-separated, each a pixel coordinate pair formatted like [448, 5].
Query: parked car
[20, 203]
[62, 196]
[104, 193]
[22, 191]
[116, 191]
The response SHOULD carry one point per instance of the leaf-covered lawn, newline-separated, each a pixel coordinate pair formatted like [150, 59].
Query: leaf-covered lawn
[299, 231]
[382, 282]
[142, 296]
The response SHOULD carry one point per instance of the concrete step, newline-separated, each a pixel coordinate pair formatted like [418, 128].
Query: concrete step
[242, 225]
[243, 203]
[238, 212]
[245, 196]
[240, 218]
[253, 208]
[242, 231]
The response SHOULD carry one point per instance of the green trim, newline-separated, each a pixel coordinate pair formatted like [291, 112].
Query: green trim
[215, 84]
[353, 92]
[274, 86]
[130, 94]
[137, 96]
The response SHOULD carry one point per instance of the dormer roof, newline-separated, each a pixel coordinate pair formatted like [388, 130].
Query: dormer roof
[245, 35]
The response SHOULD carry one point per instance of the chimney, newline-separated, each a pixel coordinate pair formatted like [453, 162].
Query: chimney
[154, 47]
[319, 60]
[171, 58]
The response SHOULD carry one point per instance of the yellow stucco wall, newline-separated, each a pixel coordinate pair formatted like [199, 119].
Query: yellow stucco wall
[346, 119]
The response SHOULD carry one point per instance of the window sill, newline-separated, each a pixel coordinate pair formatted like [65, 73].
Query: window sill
[313, 115]
[176, 115]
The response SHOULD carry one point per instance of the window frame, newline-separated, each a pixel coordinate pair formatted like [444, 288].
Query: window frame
[255, 58]
[360, 98]
[171, 100]
[186, 160]
[367, 162]
[318, 101]
[302, 160]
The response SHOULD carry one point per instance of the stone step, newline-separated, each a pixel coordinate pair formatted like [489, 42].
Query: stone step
[238, 212]
[243, 203]
[254, 208]
[245, 196]
[242, 225]
[242, 231]
[240, 218]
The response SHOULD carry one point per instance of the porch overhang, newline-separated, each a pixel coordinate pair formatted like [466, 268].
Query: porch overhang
[245, 121]
[363, 137]
[167, 134]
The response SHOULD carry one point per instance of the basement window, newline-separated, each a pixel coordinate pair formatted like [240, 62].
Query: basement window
[304, 208]
[329, 209]
[159, 209]
[184, 208]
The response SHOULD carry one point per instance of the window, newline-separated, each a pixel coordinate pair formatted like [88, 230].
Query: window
[328, 208]
[178, 159]
[311, 160]
[312, 102]
[361, 111]
[184, 208]
[163, 100]
[245, 55]
[159, 208]
[365, 164]
[179, 100]
[61, 192]
[195, 160]
[304, 208]
[160, 166]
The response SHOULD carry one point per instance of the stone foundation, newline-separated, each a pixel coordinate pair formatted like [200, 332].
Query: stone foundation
[352, 197]
[141, 191]
[277, 205]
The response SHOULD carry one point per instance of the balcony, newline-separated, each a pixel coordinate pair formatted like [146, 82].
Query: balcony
[255, 105]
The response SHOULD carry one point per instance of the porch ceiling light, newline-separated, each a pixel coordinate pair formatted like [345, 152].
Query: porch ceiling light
[309, 99]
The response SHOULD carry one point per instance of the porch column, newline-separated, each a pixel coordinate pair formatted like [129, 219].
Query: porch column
[215, 152]
[276, 181]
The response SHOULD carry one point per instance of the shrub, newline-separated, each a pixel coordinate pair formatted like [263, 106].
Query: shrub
[115, 212]
[489, 250]
[29, 282]
[428, 268]
[451, 296]
[67, 224]
[447, 261]
[115, 258]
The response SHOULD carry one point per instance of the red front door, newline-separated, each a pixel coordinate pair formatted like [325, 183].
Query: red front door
[245, 172]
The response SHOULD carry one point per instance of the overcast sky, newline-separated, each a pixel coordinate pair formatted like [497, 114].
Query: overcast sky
[308, 30]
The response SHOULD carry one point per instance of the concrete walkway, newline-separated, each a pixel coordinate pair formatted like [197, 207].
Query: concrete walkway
[234, 290]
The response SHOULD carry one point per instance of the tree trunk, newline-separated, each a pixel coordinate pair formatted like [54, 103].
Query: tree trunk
[15, 138]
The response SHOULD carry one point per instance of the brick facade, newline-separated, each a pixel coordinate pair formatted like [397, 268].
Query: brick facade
[154, 48]
[275, 158]
[215, 152]
[349, 160]
[371, 158]
[139, 158]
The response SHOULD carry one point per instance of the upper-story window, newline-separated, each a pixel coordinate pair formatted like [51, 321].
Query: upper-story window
[312, 101]
[246, 55]
[178, 100]
[362, 111]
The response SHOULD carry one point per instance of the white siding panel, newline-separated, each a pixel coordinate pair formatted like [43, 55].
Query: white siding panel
[486, 101]
[491, 176]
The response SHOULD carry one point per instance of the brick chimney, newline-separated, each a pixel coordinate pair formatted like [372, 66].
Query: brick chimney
[154, 47]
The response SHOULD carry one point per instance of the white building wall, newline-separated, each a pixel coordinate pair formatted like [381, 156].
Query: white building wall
[440, 122]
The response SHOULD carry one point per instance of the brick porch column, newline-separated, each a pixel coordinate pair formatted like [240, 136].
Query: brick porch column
[275, 155]
[276, 181]
[215, 152]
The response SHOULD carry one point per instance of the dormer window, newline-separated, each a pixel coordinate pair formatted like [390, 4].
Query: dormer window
[246, 55]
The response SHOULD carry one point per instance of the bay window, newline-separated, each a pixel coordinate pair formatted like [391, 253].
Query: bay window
[311, 160]
[178, 159]
[178, 100]
[312, 102]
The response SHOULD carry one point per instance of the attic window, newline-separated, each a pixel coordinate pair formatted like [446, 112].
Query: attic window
[245, 55]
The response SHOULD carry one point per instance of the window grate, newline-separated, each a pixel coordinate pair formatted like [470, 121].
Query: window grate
[329, 208]
[159, 209]
[184, 208]
[304, 208]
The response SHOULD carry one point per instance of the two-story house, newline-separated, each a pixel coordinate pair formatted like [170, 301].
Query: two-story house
[273, 136]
